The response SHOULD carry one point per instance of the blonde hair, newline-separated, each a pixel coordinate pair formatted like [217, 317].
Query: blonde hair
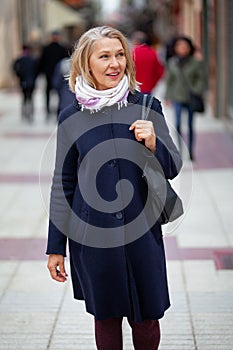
[83, 51]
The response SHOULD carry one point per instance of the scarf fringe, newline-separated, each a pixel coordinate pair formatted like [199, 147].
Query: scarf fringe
[95, 110]
[121, 104]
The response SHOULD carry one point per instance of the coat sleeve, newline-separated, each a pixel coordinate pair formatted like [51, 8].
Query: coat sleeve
[57, 78]
[199, 79]
[169, 79]
[166, 152]
[159, 69]
[62, 192]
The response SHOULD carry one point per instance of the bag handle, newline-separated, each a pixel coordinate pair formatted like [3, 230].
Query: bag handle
[146, 108]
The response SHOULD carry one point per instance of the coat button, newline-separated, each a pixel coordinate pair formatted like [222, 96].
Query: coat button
[112, 163]
[119, 215]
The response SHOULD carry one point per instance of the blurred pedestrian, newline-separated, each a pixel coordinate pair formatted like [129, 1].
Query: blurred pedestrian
[61, 84]
[169, 48]
[50, 56]
[185, 73]
[26, 67]
[117, 274]
[149, 70]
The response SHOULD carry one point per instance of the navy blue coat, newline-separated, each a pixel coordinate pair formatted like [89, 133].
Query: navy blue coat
[118, 273]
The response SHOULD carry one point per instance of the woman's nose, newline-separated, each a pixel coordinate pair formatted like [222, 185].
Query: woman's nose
[114, 62]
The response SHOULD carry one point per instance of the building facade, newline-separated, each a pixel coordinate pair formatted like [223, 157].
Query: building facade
[210, 24]
[28, 21]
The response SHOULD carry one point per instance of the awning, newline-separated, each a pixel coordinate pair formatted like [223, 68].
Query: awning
[60, 15]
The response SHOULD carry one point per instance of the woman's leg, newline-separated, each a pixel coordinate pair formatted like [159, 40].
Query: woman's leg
[108, 334]
[146, 335]
[29, 105]
[24, 100]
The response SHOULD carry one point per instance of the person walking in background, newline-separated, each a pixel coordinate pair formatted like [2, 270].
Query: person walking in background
[61, 85]
[149, 70]
[117, 273]
[50, 56]
[26, 67]
[184, 74]
[169, 48]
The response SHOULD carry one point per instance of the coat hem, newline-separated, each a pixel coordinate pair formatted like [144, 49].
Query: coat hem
[137, 320]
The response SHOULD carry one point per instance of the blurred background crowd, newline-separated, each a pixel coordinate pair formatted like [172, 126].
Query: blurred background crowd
[27, 27]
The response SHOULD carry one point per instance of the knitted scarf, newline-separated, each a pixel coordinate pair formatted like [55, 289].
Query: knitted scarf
[95, 100]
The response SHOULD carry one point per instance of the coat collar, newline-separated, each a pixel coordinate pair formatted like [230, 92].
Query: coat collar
[134, 97]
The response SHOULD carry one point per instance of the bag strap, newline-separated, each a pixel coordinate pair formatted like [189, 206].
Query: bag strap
[146, 108]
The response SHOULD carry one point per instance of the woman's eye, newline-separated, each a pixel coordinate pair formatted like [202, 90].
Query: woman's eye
[121, 54]
[104, 56]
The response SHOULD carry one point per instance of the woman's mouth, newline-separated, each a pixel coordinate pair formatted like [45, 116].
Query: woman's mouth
[113, 75]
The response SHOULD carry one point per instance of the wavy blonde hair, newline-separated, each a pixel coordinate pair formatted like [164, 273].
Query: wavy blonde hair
[84, 48]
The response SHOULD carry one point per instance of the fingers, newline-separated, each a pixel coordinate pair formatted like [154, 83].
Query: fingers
[142, 126]
[56, 267]
[141, 123]
[62, 270]
[143, 130]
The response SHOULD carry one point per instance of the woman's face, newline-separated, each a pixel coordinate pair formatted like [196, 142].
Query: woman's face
[182, 48]
[107, 63]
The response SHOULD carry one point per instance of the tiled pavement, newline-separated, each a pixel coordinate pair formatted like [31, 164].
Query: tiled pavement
[37, 313]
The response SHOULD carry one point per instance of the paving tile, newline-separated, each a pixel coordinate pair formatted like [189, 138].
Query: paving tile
[209, 229]
[33, 277]
[7, 270]
[211, 302]
[216, 339]
[26, 322]
[7, 267]
[20, 221]
[212, 323]
[24, 341]
[203, 276]
[175, 278]
[4, 283]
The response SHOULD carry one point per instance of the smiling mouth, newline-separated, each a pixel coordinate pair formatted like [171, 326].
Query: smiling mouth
[113, 75]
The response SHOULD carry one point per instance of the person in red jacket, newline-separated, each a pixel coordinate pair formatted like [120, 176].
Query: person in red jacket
[148, 68]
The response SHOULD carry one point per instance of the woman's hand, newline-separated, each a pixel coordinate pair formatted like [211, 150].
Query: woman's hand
[144, 130]
[56, 266]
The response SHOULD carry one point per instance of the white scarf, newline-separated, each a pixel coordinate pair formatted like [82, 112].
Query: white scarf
[94, 100]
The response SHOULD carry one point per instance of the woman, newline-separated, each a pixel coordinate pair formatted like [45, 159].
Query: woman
[185, 74]
[100, 138]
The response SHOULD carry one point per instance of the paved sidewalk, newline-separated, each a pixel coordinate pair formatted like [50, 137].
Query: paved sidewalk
[37, 313]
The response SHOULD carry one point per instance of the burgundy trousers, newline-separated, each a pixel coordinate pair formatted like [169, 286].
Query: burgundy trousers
[108, 334]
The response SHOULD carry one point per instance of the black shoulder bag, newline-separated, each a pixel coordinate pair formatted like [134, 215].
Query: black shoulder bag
[195, 101]
[166, 204]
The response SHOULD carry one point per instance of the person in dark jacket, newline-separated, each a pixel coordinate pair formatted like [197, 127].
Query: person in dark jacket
[61, 85]
[25, 67]
[184, 74]
[50, 56]
[99, 199]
